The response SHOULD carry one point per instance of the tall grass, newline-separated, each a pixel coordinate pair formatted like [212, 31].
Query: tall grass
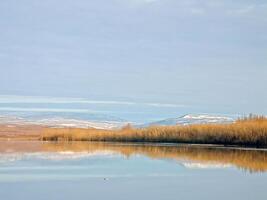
[251, 131]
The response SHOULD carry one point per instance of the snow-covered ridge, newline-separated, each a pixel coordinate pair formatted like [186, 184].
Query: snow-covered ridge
[68, 122]
[194, 119]
[75, 123]
[62, 122]
[206, 117]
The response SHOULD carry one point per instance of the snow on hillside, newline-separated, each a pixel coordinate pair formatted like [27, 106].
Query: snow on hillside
[63, 122]
[194, 119]
[110, 123]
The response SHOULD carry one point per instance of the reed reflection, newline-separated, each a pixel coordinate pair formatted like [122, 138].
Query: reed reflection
[249, 160]
[243, 159]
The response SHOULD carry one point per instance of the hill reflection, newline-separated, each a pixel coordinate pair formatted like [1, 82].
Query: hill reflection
[251, 160]
[248, 160]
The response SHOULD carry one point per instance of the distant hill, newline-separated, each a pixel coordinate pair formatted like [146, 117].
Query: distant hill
[193, 119]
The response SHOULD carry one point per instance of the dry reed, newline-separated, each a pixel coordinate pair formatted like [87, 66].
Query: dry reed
[251, 131]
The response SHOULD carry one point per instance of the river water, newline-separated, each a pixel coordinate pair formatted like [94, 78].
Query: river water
[83, 170]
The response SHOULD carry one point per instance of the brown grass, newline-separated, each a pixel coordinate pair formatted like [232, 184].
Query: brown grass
[20, 132]
[251, 131]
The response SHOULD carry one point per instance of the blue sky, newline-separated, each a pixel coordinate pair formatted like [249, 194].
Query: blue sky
[200, 55]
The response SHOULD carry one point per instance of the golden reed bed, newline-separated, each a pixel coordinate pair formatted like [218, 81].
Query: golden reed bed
[250, 131]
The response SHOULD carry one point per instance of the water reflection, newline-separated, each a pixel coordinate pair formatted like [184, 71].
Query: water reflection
[189, 156]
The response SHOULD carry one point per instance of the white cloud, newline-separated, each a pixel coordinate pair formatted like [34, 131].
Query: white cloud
[255, 11]
[243, 11]
[197, 11]
[138, 2]
[32, 99]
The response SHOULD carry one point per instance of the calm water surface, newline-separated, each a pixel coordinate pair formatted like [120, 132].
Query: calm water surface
[81, 170]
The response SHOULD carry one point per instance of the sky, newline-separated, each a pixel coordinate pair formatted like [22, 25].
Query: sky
[197, 56]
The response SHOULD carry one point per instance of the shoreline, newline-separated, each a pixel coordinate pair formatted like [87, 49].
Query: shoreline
[249, 133]
[158, 144]
[155, 144]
